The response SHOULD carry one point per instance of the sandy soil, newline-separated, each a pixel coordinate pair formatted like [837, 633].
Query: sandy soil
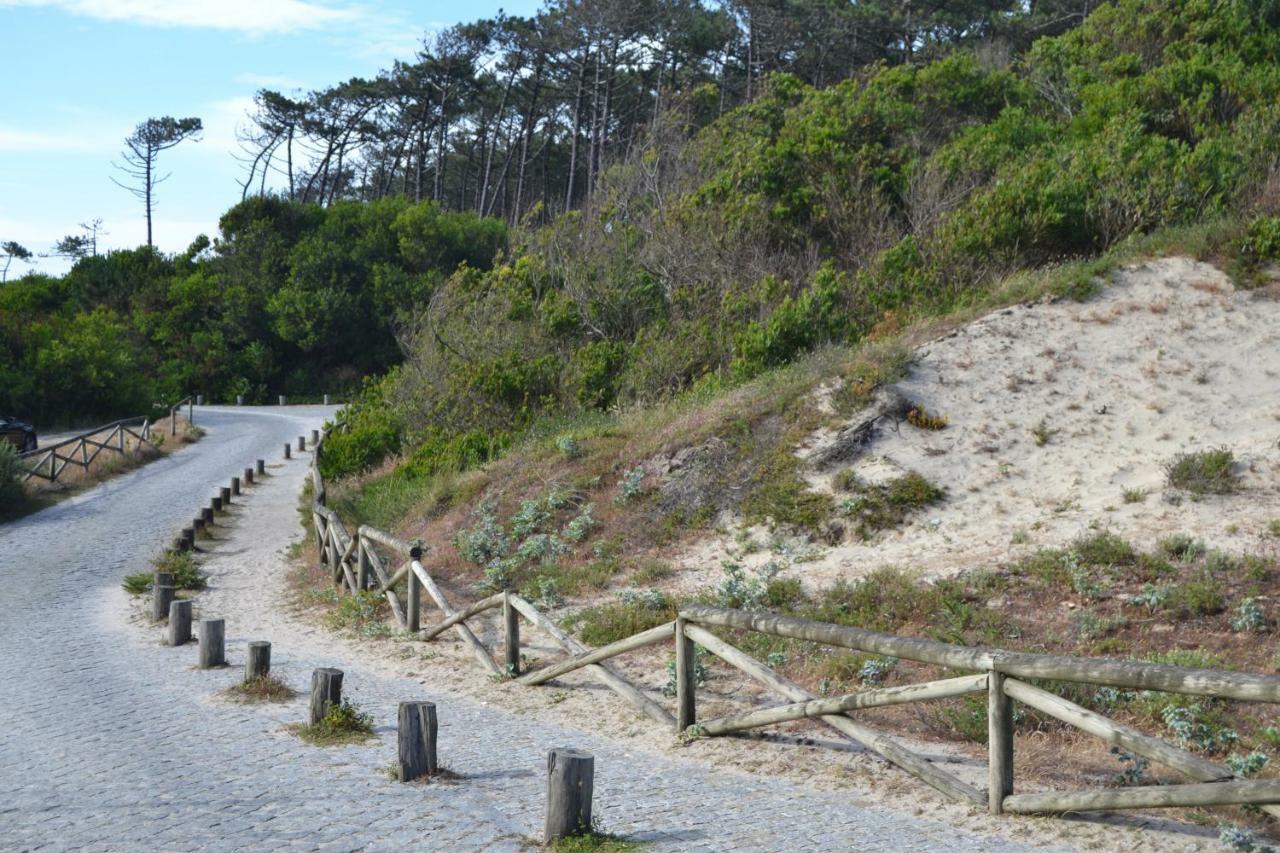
[1169, 358]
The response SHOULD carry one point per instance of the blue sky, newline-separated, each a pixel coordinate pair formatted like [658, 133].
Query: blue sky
[80, 74]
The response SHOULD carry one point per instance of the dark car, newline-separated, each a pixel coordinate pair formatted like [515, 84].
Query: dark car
[17, 433]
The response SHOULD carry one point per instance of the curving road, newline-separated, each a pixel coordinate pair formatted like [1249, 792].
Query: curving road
[109, 742]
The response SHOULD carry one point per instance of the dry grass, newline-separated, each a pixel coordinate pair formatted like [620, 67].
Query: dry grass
[266, 688]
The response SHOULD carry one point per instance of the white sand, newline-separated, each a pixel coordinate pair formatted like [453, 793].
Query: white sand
[1169, 358]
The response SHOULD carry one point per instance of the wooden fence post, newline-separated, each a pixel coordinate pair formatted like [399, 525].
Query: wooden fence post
[213, 650]
[326, 399]
[197, 523]
[302, 443]
[207, 515]
[413, 603]
[239, 399]
[999, 743]
[161, 598]
[686, 680]
[235, 485]
[180, 622]
[225, 495]
[570, 780]
[326, 691]
[247, 477]
[215, 503]
[258, 663]
[282, 399]
[261, 466]
[363, 566]
[417, 740]
[511, 635]
[315, 437]
[188, 539]
[288, 453]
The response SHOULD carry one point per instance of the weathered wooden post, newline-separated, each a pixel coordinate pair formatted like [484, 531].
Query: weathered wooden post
[213, 649]
[261, 465]
[247, 476]
[326, 399]
[198, 523]
[288, 452]
[187, 540]
[239, 399]
[235, 485]
[570, 779]
[161, 597]
[413, 602]
[258, 663]
[363, 565]
[225, 494]
[282, 399]
[215, 503]
[417, 740]
[326, 691]
[511, 635]
[199, 399]
[686, 680]
[315, 437]
[999, 743]
[180, 622]
[207, 515]
[302, 443]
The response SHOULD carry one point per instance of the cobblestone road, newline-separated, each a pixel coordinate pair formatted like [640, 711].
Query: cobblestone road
[108, 742]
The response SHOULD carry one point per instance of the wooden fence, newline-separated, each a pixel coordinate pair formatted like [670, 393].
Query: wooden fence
[48, 463]
[359, 561]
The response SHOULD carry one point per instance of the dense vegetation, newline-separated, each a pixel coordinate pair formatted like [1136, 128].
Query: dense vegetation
[810, 215]
[294, 299]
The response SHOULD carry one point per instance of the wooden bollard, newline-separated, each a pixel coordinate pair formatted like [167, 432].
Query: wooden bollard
[207, 515]
[288, 451]
[197, 523]
[258, 664]
[282, 399]
[417, 740]
[326, 691]
[326, 399]
[302, 443]
[247, 477]
[180, 622]
[225, 494]
[315, 437]
[215, 503]
[188, 539]
[511, 636]
[161, 597]
[239, 399]
[213, 647]
[199, 399]
[261, 465]
[570, 779]
[235, 485]
[162, 578]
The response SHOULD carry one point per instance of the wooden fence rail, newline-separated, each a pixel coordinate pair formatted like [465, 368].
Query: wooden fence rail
[48, 463]
[356, 565]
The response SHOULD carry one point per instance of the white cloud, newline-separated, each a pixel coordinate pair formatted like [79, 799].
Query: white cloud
[247, 16]
[268, 81]
[17, 140]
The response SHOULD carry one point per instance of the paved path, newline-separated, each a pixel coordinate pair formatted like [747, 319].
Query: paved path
[111, 742]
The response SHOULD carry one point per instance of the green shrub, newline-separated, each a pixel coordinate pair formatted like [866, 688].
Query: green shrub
[182, 565]
[1103, 549]
[1204, 472]
[1261, 241]
[1182, 546]
[11, 470]
[633, 612]
[886, 505]
[344, 723]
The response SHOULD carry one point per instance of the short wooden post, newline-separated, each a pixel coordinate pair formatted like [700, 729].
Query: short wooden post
[999, 743]
[326, 399]
[570, 779]
[180, 622]
[288, 451]
[235, 485]
[163, 578]
[326, 690]
[187, 540]
[413, 603]
[215, 503]
[207, 515]
[258, 663]
[161, 597]
[315, 437]
[239, 399]
[511, 635]
[302, 443]
[417, 740]
[225, 494]
[198, 523]
[686, 680]
[282, 399]
[261, 465]
[199, 399]
[213, 649]
[247, 477]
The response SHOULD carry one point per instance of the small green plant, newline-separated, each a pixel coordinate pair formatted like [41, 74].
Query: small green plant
[887, 505]
[1134, 770]
[569, 446]
[630, 487]
[1193, 731]
[741, 592]
[875, 670]
[1248, 765]
[635, 611]
[1204, 472]
[581, 525]
[1042, 433]
[264, 688]
[1110, 698]
[139, 583]
[182, 565]
[1249, 616]
[1154, 598]
[363, 613]
[1182, 546]
[1135, 495]
[1242, 840]
[344, 723]
[699, 672]
[549, 592]
[1273, 527]
[1103, 549]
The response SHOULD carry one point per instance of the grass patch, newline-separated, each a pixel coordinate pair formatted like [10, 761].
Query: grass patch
[266, 688]
[1135, 496]
[887, 505]
[363, 613]
[921, 418]
[344, 724]
[1103, 549]
[181, 564]
[1204, 472]
[595, 841]
[779, 495]
[635, 611]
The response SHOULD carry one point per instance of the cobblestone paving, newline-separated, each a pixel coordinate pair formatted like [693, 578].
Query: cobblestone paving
[110, 743]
